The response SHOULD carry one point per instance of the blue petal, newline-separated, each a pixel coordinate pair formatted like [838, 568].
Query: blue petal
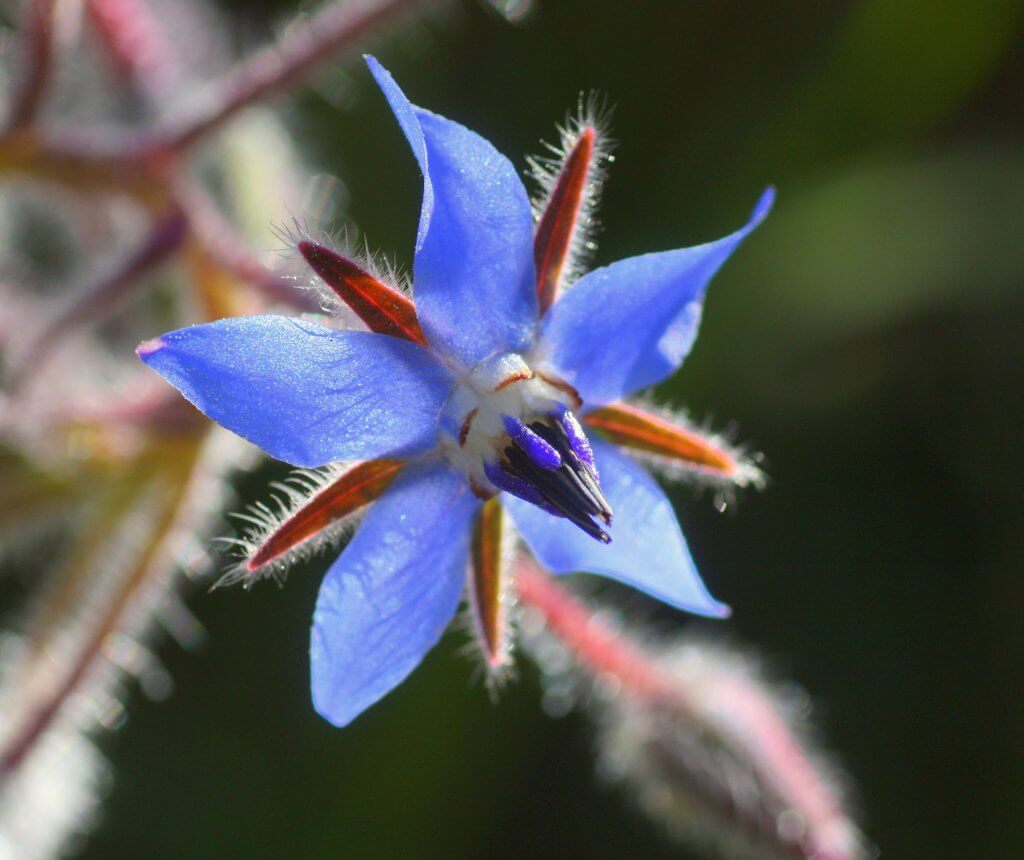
[304, 393]
[476, 291]
[385, 603]
[647, 550]
[632, 323]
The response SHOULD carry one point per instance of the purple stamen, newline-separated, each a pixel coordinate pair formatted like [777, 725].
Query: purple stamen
[537, 449]
[578, 441]
[569, 490]
[511, 484]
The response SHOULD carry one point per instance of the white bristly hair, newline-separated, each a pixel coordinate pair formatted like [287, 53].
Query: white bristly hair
[495, 677]
[592, 111]
[347, 243]
[728, 761]
[747, 473]
[264, 519]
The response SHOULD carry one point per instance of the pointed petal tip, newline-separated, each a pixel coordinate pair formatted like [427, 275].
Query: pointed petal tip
[764, 206]
[649, 552]
[381, 75]
[707, 607]
[337, 716]
[148, 347]
[719, 611]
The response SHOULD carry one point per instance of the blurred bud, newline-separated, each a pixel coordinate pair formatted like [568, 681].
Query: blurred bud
[692, 730]
[727, 764]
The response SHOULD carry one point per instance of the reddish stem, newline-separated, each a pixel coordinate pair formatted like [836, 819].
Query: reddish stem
[754, 722]
[100, 296]
[729, 706]
[275, 68]
[596, 647]
[36, 63]
[136, 44]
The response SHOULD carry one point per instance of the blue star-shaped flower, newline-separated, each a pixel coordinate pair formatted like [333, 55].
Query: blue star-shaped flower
[477, 396]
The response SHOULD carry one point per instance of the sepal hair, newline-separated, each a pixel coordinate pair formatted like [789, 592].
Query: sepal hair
[592, 112]
[347, 243]
[745, 468]
[265, 520]
[492, 638]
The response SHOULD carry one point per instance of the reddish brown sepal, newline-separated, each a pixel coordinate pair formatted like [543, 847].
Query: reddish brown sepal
[487, 583]
[638, 429]
[557, 225]
[355, 488]
[384, 309]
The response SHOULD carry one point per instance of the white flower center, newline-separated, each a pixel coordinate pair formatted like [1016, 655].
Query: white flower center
[472, 426]
[508, 428]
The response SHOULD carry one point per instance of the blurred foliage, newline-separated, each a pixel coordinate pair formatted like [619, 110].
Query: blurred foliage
[868, 339]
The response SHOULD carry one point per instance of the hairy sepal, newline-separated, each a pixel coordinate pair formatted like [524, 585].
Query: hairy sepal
[675, 447]
[569, 182]
[348, 245]
[382, 308]
[315, 510]
[488, 595]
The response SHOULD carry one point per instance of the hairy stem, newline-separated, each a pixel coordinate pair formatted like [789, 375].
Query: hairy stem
[276, 68]
[36, 62]
[596, 647]
[734, 711]
[219, 239]
[100, 296]
[136, 45]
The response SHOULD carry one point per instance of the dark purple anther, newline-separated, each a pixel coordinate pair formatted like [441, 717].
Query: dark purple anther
[511, 484]
[536, 448]
[549, 463]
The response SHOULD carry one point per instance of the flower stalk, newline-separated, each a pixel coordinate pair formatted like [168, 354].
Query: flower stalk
[136, 44]
[89, 627]
[324, 34]
[100, 296]
[36, 62]
[669, 714]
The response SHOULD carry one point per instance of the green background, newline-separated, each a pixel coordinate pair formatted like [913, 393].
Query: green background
[868, 339]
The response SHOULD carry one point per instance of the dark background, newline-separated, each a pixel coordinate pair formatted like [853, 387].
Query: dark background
[868, 339]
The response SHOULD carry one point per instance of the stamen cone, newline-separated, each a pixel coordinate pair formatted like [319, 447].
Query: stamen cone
[354, 489]
[487, 584]
[384, 309]
[559, 221]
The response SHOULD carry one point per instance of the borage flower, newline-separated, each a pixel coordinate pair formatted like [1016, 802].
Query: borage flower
[471, 401]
